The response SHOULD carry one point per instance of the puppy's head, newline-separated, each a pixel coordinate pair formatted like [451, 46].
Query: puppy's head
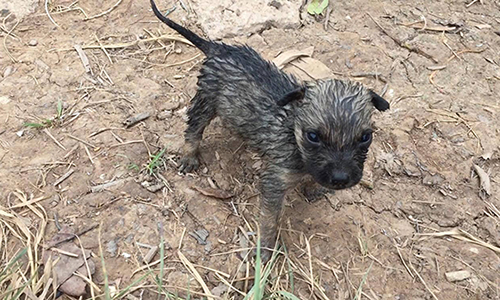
[333, 129]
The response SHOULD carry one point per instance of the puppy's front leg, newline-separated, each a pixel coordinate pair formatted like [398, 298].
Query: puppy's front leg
[275, 182]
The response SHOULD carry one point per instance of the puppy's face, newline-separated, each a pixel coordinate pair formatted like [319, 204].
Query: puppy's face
[333, 130]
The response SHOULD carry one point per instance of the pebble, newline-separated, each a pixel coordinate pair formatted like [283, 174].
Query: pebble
[112, 247]
[4, 100]
[33, 43]
[170, 105]
[219, 290]
[164, 115]
[457, 275]
[200, 236]
[9, 70]
[432, 180]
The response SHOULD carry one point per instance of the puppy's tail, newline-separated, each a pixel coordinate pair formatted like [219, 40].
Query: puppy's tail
[199, 42]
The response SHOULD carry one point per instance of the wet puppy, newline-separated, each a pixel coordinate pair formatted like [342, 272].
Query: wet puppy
[321, 128]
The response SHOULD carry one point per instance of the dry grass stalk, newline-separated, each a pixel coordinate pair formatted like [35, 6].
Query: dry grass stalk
[195, 273]
[462, 235]
[104, 12]
[129, 44]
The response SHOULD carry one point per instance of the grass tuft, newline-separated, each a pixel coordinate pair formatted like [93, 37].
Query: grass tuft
[155, 161]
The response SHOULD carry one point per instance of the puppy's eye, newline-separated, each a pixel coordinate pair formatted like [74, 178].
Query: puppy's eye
[366, 138]
[313, 137]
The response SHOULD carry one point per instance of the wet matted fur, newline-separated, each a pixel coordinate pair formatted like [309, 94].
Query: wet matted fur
[321, 128]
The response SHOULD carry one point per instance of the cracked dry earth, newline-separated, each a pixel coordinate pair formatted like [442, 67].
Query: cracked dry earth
[443, 82]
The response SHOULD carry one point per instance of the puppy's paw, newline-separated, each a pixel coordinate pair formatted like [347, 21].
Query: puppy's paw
[314, 193]
[189, 164]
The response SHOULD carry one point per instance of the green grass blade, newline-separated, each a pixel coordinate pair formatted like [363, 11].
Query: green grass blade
[155, 161]
[286, 295]
[12, 262]
[162, 260]
[290, 269]
[33, 125]
[363, 282]
[125, 290]
[59, 109]
[258, 269]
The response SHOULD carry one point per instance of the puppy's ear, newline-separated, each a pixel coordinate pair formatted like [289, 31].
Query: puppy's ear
[295, 95]
[379, 102]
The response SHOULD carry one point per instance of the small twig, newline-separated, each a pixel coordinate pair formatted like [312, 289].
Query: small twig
[452, 51]
[403, 44]
[88, 153]
[103, 50]
[403, 260]
[470, 4]
[64, 177]
[102, 130]
[53, 138]
[9, 32]
[81, 141]
[126, 143]
[48, 13]
[195, 274]
[116, 137]
[170, 65]
[70, 237]
[424, 283]
[327, 18]
[102, 187]
[133, 43]
[376, 75]
[136, 119]
[104, 12]
[84, 58]
[64, 252]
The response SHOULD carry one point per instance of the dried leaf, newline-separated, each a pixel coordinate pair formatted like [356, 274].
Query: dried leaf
[484, 179]
[286, 57]
[313, 68]
[215, 193]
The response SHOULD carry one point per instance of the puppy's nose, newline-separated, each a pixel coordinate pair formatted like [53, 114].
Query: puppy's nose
[340, 178]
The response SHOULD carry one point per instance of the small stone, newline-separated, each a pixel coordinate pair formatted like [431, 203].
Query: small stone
[126, 255]
[275, 4]
[170, 105]
[141, 209]
[112, 248]
[457, 275]
[200, 236]
[208, 247]
[4, 100]
[8, 70]
[166, 114]
[432, 180]
[219, 290]
[33, 43]
[42, 65]
[178, 50]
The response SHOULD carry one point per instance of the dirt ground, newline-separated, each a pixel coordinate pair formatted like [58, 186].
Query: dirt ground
[421, 213]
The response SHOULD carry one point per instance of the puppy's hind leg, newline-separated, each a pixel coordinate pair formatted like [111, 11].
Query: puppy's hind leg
[200, 113]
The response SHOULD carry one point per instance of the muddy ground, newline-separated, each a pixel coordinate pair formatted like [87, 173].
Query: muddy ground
[438, 63]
